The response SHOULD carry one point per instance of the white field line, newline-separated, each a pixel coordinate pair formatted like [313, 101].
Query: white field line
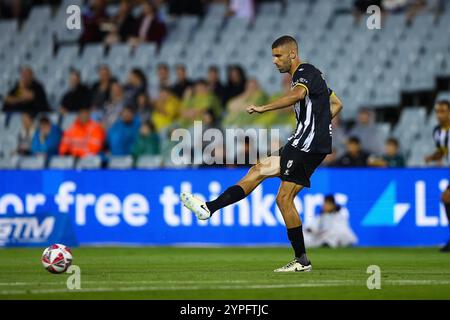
[331, 283]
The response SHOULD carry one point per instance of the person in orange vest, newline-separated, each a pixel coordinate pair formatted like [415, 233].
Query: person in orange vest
[84, 137]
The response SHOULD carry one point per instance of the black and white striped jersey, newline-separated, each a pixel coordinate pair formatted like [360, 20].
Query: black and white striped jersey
[313, 131]
[441, 137]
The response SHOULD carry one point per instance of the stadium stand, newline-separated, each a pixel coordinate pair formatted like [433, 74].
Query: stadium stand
[367, 68]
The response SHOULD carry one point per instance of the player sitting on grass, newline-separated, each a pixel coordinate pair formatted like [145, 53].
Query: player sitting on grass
[302, 154]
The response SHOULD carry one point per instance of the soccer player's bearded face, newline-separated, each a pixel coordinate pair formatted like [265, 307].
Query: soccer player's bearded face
[282, 58]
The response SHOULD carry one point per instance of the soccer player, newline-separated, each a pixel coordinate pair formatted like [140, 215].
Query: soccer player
[441, 135]
[314, 105]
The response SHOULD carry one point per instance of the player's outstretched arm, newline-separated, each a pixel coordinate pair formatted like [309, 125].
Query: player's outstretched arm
[296, 94]
[335, 105]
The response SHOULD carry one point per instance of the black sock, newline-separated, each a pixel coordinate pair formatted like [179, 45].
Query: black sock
[295, 236]
[231, 195]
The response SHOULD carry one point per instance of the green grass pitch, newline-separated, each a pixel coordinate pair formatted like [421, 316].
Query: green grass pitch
[228, 273]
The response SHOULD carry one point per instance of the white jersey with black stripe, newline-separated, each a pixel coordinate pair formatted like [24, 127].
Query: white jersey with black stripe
[441, 136]
[313, 131]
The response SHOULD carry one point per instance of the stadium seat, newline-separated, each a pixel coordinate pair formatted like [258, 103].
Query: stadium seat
[32, 162]
[8, 162]
[61, 162]
[149, 162]
[89, 162]
[120, 162]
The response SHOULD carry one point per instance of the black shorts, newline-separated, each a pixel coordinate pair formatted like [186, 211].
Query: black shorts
[298, 166]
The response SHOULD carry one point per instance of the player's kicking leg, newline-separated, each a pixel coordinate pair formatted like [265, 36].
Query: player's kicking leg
[268, 167]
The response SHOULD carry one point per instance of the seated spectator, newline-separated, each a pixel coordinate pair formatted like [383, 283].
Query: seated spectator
[243, 9]
[150, 28]
[122, 24]
[136, 86]
[93, 17]
[236, 82]
[166, 109]
[26, 134]
[113, 107]
[77, 96]
[100, 90]
[355, 156]
[182, 82]
[214, 83]
[163, 74]
[391, 157]
[124, 132]
[147, 142]
[366, 131]
[339, 135]
[46, 139]
[196, 102]
[144, 107]
[331, 228]
[237, 114]
[27, 95]
[191, 7]
[84, 137]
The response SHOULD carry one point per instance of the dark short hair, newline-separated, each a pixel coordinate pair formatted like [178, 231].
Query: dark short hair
[281, 41]
[354, 139]
[446, 102]
[392, 141]
[201, 81]
[44, 120]
[162, 65]
[330, 198]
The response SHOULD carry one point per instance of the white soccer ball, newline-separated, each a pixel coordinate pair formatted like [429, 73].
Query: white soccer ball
[57, 258]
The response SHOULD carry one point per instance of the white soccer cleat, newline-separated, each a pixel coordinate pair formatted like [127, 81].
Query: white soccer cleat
[294, 266]
[195, 205]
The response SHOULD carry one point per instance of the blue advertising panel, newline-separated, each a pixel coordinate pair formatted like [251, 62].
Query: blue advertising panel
[386, 207]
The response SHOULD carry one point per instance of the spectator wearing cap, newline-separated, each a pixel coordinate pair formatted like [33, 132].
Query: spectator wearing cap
[27, 95]
[46, 139]
[84, 137]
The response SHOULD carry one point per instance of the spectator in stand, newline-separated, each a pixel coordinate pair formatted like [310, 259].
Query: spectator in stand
[27, 95]
[339, 135]
[367, 132]
[166, 109]
[122, 25]
[163, 75]
[144, 108]
[360, 8]
[236, 82]
[124, 132]
[196, 103]
[77, 96]
[214, 83]
[191, 7]
[355, 156]
[93, 17]
[391, 157]
[14, 9]
[46, 139]
[114, 107]
[147, 142]
[26, 134]
[150, 28]
[236, 108]
[243, 9]
[84, 138]
[135, 87]
[182, 82]
[100, 90]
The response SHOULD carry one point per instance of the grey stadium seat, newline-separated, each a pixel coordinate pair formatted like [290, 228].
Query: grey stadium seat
[149, 162]
[64, 162]
[89, 162]
[8, 163]
[120, 162]
[32, 162]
